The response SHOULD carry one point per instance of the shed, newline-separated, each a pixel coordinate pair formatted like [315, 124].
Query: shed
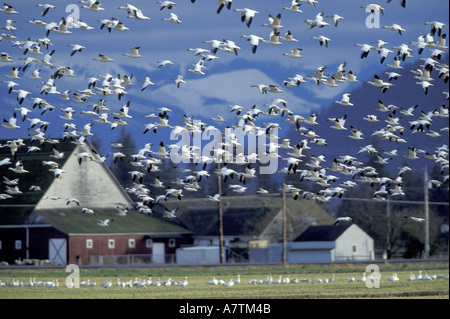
[329, 243]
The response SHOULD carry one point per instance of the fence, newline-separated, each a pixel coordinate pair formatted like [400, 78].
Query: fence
[131, 260]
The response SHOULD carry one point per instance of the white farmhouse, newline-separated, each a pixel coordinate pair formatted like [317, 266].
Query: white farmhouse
[325, 244]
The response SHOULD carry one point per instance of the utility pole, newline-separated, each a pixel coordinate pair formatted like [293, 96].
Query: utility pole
[388, 232]
[219, 191]
[284, 228]
[427, 216]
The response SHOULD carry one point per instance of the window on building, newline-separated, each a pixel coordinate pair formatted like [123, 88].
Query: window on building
[18, 244]
[89, 243]
[354, 248]
[171, 242]
[111, 243]
[131, 243]
[148, 243]
[0, 245]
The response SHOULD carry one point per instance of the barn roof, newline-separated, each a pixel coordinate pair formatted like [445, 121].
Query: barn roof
[72, 221]
[16, 210]
[323, 233]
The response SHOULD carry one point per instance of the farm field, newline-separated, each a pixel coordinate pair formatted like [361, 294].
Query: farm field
[197, 287]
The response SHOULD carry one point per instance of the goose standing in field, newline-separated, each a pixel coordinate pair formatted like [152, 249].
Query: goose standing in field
[363, 278]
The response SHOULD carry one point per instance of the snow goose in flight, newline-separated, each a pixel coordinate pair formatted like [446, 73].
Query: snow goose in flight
[274, 22]
[395, 63]
[356, 134]
[8, 9]
[254, 41]
[339, 123]
[288, 37]
[395, 27]
[373, 8]
[412, 153]
[164, 63]
[322, 40]
[436, 26]
[45, 8]
[221, 4]
[170, 213]
[104, 223]
[92, 5]
[146, 83]
[378, 82]
[295, 7]
[179, 80]
[365, 49]
[11, 123]
[11, 85]
[247, 15]
[76, 48]
[415, 219]
[215, 198]
[336, 19]
[230, 46]
[134, 53]
[317, 22]
[342, 219]
[103, 58]
[425, 85]
[173, 18]
[18, 168]
[345, 100]
[23, 112]
[274, 38]
[72, 200]
[166, 4]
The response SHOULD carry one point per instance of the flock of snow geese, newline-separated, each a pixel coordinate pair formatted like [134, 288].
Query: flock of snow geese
[429, 48]
[270, 280]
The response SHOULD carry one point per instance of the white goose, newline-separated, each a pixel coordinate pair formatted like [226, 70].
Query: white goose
[247, 15]
[134, 53]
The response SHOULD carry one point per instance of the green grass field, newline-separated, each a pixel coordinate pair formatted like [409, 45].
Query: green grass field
[197, 287]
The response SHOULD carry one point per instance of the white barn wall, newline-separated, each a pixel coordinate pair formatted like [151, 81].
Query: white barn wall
[354, 236]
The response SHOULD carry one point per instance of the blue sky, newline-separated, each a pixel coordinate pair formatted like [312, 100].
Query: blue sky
[227, 80]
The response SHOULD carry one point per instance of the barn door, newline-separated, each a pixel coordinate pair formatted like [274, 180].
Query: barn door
[158, 253]
[57, 250]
